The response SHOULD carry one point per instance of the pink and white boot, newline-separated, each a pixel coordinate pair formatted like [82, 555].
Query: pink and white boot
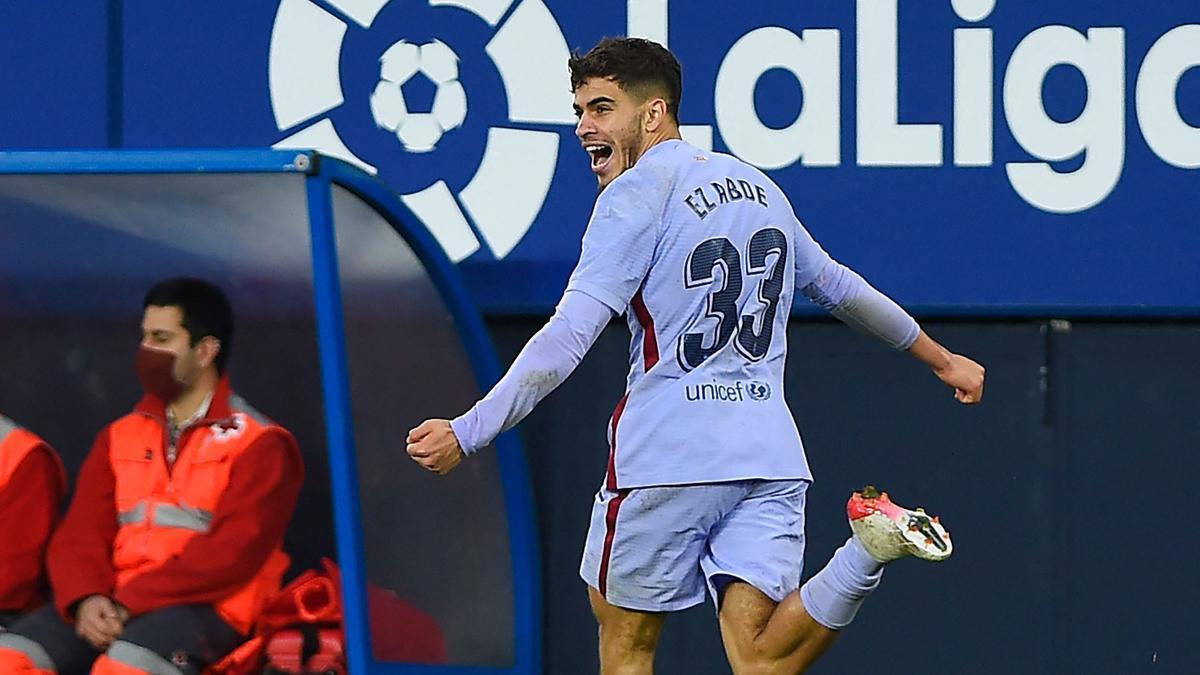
[888, 531]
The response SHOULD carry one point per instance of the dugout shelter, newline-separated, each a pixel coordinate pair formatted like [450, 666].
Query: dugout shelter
[351, 327]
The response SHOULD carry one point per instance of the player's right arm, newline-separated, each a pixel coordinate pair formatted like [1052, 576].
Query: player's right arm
[617, 251]
[856, 303]
[549, 357]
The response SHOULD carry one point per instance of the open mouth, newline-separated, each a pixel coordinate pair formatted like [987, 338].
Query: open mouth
[601, 154]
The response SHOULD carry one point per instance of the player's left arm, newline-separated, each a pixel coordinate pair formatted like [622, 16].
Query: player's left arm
[957, 371]
[860, 305]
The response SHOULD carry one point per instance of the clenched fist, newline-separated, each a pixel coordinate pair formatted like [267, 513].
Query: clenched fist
[433, 445]
[99, 620]
[965, 377]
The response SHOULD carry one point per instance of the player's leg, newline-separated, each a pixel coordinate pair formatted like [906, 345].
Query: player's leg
[628, 638]
[753, 566]
[786, 638]
[883, 532]
[642, 560]
[762, 637]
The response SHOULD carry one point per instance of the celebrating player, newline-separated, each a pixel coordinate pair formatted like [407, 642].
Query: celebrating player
[706, 477]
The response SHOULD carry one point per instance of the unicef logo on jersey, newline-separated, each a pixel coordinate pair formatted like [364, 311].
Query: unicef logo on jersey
[758, 390]
[733, 392]
[459, 105]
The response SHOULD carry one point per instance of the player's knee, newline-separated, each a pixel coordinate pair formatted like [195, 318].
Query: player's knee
[762, 664]
[627, 648]
[626, 630]
[758, 669]
[750, 655]
[629, 637]
[747, 658]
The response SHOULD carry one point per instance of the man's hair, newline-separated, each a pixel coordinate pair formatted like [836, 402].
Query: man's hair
[205, 308]
[638, 66]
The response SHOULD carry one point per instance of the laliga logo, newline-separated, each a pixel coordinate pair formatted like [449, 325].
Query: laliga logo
[504, 196]
[1096, 135]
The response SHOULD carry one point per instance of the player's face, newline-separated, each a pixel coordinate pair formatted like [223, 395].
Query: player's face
[610, 127]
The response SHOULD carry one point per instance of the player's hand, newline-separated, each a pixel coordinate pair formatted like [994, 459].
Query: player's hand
[99, 620]
[433, 445]
[964, 376]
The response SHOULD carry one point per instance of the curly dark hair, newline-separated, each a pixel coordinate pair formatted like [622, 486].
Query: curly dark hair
[639, 66]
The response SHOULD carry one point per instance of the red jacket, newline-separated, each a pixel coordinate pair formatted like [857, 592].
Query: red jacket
[32, 483]
[209, 530]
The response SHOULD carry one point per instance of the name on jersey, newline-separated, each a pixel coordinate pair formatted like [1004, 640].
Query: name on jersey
[705, 199]
[754, 390]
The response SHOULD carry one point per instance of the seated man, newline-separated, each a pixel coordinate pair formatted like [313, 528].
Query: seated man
[32, 485]
[175, 535]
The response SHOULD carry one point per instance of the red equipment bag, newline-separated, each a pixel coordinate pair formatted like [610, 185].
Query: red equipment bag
[299, 631]
[307, 650]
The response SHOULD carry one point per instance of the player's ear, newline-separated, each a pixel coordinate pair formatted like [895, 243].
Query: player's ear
[656, 114]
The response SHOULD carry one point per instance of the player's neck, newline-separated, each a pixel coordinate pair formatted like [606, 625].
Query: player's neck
[653, 138]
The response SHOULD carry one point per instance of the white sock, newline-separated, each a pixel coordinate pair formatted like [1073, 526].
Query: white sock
[833, 595]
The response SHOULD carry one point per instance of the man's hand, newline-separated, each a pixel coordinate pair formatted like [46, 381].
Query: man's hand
[964, 376]
[434, 446]
[961, 374]
[99, 620]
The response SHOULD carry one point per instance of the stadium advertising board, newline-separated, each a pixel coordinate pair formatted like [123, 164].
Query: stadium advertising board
[968, 156]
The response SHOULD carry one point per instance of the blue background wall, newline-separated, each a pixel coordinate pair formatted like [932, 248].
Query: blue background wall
[945, 238]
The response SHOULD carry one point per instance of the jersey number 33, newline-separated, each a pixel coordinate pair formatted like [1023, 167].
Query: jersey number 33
[695, 348]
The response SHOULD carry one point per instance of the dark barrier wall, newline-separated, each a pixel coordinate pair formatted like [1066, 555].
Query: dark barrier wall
[1068, 493]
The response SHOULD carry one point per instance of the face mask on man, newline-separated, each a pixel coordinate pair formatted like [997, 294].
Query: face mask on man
[156, 371]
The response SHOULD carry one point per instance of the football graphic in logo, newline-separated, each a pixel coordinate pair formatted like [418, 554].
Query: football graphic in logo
[419, 131]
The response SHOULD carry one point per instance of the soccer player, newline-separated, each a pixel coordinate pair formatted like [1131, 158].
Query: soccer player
[706, 474]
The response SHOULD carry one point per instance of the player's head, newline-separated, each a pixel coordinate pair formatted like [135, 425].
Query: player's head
[187, 331]
[627, 94]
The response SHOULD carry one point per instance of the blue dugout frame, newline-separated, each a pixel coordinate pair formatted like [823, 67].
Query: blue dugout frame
[320, 175]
